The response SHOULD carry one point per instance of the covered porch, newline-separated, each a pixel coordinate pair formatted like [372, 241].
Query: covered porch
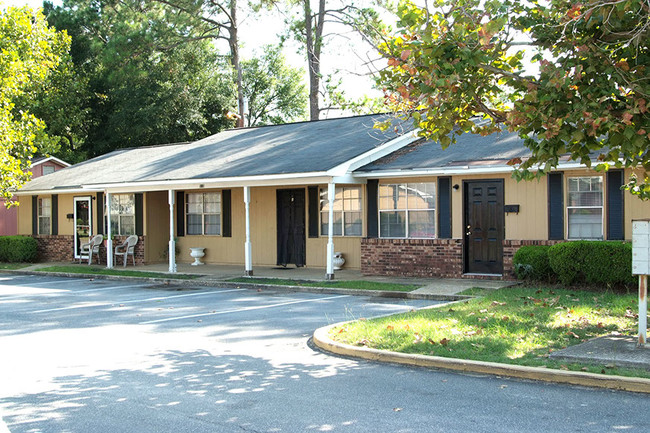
[243, 227]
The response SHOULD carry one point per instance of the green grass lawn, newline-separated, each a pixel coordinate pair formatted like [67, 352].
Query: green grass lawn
[12, 266]
[104, 271]
[359, 285]
[515, 325]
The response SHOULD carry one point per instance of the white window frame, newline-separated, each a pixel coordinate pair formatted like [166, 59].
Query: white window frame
[48, 169]
[120, 215]
[601, 207]
[407, 211]
[42, 217]
[339, 192]
[203, 213]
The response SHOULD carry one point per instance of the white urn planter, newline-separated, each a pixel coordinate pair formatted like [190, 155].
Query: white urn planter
[197, 253]
[338, 261]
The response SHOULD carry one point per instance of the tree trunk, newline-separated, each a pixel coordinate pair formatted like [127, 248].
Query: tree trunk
[314, 43]
[234, 60]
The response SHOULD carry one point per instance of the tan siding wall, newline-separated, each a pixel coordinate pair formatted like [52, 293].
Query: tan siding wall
[634, 208]
[219, 249]
[156, 226]
[25, 215]
[263, 225]
[531, 222]
[66, 206]
[349, 246]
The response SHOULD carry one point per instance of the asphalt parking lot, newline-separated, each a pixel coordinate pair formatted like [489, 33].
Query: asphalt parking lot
[101, 355]
[116, 356]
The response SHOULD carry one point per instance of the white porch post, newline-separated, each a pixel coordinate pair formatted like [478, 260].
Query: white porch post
[109, 235]
[330, 231]
[248, 259]
[172, 243]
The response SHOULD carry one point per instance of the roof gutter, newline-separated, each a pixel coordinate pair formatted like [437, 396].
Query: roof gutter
[253, 181]
[70, 190]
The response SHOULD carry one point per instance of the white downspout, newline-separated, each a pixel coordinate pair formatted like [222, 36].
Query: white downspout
[109, 235]
[172, 243]
[330, 232]
[247, 245]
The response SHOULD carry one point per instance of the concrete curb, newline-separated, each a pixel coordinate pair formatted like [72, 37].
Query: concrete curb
[253, 286]
[322, 340]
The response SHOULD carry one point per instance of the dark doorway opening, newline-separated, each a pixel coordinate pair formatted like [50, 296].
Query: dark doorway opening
[291, 227]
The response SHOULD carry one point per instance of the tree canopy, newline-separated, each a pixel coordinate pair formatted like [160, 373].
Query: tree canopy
[273, 89]
[459, 59]
[31, 50]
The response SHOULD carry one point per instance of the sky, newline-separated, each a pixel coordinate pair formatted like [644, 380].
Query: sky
[343, 55]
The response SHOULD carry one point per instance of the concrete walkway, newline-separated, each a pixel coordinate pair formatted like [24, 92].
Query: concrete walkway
[429, 288]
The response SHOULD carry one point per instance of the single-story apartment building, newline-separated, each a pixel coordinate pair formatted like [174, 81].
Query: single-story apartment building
[294, 194]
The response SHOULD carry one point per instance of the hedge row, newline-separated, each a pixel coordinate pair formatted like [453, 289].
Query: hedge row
[600, 263]
[17, 249]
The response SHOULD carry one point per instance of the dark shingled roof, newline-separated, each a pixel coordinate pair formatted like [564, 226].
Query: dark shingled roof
[469, 149]
[281, 149]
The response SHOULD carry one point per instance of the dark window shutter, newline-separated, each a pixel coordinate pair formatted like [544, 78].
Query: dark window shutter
[34, 214]
[555, 206]
[372, 216]
[55, 214]
[444, 207]
[314, 206]
[139, 214]
[100, 214]
[180, 213]
[226, 213]
[615, 209]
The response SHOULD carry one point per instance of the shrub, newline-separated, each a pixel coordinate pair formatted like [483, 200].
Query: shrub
[592, 262]
[531, 263]
[18, 249]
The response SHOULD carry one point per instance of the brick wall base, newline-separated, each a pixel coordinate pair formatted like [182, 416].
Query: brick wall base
[442, 258]
[55, 248]
[430, 258]
[60, 249]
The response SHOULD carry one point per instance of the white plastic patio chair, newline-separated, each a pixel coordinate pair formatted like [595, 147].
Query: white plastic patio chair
[127, 249]
[91, 247]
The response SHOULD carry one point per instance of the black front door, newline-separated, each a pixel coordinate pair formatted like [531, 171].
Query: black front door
[291, 226]
[484, 226]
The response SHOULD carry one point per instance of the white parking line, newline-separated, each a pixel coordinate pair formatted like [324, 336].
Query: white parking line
[134, 301]
[237, 310]
[101, 289]
[67, 292]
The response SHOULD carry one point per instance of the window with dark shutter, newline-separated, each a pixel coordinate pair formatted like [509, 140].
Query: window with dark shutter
[373, 215]
[555, 206]
[615, 205]
[444, 207]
